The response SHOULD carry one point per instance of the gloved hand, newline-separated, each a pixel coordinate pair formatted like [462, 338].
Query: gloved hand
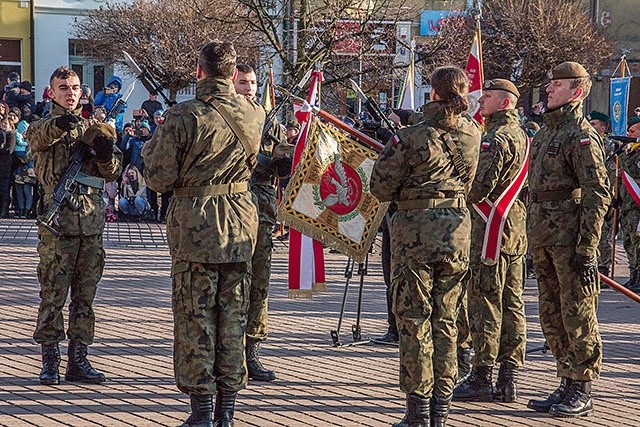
[587, 269]
[67, 122]
[103, 146]
[383, 134]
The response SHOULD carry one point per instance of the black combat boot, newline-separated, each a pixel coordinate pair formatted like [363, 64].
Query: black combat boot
[440, 411]
[78, 367]
[201, 411]
[577, 403]
[554, 398]
[256, 370]
[390, 337]
[49, 375]
[225, 404]
[477, 388]
[633, 278]
[417, 414]
[464, 364]
[506, 389]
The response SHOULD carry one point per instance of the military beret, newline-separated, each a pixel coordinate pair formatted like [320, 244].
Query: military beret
[632, 121]
[568, 70]
[597, 115]
[96, 130]
[501, 84]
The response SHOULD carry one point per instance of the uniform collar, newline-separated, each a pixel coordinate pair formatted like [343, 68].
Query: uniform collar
[433, 112]
[214, 86]
[568, 112]
[501, 118]
[59, 110]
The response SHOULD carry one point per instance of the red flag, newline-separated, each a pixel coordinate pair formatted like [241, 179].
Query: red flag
[306, 256]
[476, 76]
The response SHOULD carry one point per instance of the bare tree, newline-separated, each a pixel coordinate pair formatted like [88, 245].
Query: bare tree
[162, 35]
[522, 40]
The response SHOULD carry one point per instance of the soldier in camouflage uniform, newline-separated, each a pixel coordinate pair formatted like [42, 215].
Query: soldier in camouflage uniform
[568, 199]
[629, 209]
[427, 169]
[495, 305]
[263, 187]
[600, 122]
[205, 152]
[74, 260]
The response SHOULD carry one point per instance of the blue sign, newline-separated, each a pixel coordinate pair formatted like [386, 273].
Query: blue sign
[430, 21]
[619, 101]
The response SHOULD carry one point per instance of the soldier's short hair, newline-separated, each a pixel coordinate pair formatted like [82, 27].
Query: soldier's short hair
[584, 83]
[218, 59]
[63, 73]
[245, 68]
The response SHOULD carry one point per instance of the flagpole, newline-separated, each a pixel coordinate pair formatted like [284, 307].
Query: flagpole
[272, 90]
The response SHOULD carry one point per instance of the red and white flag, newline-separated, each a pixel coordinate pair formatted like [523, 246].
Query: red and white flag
[476, 76]
[306, 256]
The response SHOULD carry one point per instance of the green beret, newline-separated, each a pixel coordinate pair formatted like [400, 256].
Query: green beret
[598, 115]
[632, 121]
[568, 70]
[501, 84]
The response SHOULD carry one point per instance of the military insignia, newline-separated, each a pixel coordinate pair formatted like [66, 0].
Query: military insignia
[553, 148]
[617, 110]
[585, 141]
[395, 139]
[486, 145]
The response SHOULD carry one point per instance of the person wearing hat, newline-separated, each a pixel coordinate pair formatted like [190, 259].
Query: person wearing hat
[496, 310]
[629, 209]
[108, 96]
[569, 194]
[21, 96]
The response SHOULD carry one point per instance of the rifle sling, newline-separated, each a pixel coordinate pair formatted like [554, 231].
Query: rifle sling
[233, 124]
[458, 162]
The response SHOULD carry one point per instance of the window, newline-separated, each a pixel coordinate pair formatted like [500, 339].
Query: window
[10, 58]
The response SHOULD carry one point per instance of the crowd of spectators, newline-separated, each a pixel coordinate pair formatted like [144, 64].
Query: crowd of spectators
[127, 199]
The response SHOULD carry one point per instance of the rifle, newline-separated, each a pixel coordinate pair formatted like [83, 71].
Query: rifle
[625, 140]
[146, 79]
[73, 179]
[372, 107]
[263, 159]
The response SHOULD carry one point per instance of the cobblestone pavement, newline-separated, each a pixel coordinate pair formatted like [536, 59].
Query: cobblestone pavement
[318, 384]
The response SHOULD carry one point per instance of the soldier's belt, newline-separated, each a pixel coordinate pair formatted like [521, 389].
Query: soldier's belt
[551, 196]
[431, 203]
[212, 190]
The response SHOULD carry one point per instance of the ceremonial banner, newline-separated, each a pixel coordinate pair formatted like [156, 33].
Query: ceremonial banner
[619, 101]
[306, 256]
[329, 197]
[476, 77]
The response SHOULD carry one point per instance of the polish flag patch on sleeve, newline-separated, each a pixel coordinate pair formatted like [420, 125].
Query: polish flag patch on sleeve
[486, 145]
[395, 139]
[585, 141]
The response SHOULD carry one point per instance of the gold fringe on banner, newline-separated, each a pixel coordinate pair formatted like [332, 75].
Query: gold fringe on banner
[319, 287]
[300, 293]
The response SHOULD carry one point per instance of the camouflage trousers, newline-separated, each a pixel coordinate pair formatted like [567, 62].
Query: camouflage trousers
[629, 226]
[260, 276]
[425, 303]
[568, 314]
[606, 244]
[68, 263]
[210, 318]
[496, 311]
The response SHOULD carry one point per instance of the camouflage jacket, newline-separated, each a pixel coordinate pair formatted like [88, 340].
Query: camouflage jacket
[502, 153]
[567, 154]
[264, 176]
[52, 148]
[415, 165]
[196, 148]
[630, 162]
